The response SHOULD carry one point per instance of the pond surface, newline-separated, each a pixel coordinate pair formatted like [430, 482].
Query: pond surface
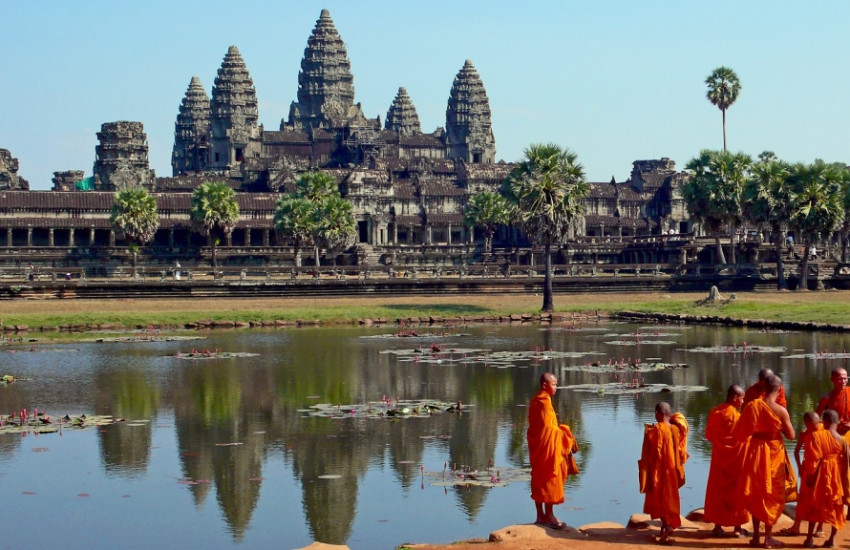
[224, 452]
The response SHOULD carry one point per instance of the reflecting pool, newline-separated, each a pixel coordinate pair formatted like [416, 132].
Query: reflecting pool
[220, 452]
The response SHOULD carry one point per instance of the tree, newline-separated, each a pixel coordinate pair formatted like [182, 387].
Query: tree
[723, 89]
[713, 193]
[134, 215]
[316, 186]
[295, 218]
[488, 211]
[547, 188]
[845, 226]
[769, 201]
[214, 208]
[818, 206]
[335, 228]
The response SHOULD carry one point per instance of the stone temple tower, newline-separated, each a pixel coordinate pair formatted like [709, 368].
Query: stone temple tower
[325, 82]
[402, 117]
[234, 134]
[121, 157]
[469, 133]
[191, 130]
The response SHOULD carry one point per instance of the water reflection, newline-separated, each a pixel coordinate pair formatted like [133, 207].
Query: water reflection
[232, 428]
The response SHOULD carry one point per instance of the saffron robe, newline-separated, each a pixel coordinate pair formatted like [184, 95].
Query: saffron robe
[822, 474]
[840, 403]
[757, 391]
[723, 506]
[662, 471]
[766, 469]
[550, 448]
[804, 495]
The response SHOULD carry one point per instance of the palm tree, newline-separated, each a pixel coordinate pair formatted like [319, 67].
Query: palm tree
[723, 89]
[336, 227]
[818, 206]
[547, 188]
[768, 198]
[295, 218]
[214, 208]
[713, 194]
[488, 211]
[134, 215]
[316, 186]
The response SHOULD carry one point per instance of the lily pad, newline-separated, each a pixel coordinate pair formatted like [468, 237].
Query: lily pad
[414, 334]
[736, 349]
[490, 477]
[44, 424]
[142, 338]
[818, 356]
[651, 366]
[386, 410]
[195, 355]
[617, 388]
[640, 342]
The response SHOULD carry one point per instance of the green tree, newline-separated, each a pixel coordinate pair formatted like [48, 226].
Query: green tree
[316, 186]
[547, 188]
[488, 211]
[713, 193]
[214, 208]
[335, 228]
[723, 89]
[818, 206]
[768, 199]
[295, 219]
[134, 216]
[845, 226]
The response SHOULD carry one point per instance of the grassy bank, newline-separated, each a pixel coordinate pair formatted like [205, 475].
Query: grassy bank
[824, 307]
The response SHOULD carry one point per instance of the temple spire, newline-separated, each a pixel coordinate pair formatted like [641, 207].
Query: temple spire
[468, 127]
[191, 130]
[402, 117]
[233, 114]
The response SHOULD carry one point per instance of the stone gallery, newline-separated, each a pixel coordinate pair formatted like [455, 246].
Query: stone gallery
[408, 188]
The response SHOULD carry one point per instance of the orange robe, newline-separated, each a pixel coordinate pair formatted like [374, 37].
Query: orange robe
[840, 403]
[723, 506]
[550, 448]
[766, 469]
[822, 474]
[757, 390]
[804, 495]
[662, 471]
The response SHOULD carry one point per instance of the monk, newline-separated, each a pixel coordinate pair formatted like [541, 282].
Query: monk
[825, 473]
[838, 399]
[766, 470]
[550, 449]
[811, 424]
[662, 469]
[758, 389]
[722, 505]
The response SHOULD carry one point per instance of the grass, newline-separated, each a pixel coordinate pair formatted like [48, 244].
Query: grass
[824, 307]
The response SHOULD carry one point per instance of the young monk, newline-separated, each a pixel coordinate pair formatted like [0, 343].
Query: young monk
[662, 469]
[811, 423]
[759, 388]
[825, 473]
[550, 449]
[722, 505]
[761, 483]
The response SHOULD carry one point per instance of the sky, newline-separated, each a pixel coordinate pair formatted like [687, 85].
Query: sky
[613, 81]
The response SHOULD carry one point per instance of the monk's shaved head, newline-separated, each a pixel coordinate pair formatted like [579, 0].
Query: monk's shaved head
[829, 417]
[764, 374]
[664, 408]
[811, 417]
[547, 377]
[772, 384]
[734, 391]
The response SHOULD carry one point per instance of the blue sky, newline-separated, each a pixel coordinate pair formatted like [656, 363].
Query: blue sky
[614, 81]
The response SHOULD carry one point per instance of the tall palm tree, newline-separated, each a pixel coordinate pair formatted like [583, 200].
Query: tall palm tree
[768, 199]
[818, 205]
[295, 218]
[487, 210]
[214, 208]
[713, 194]
[546, 189]
[134, 215]
[723, 89]
[336, 227]
[316, 186]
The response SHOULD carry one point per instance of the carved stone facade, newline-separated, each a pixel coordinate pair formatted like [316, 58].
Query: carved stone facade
[470, 134]
[9, 178]
[121, 157]
[192, 131]
[67, 180]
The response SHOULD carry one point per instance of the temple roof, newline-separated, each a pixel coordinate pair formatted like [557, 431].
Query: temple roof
[234, 98]
[193, 119]
[468, 111]
[402, 116]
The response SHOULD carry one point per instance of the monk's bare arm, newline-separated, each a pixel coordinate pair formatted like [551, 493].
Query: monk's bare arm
[787, 427]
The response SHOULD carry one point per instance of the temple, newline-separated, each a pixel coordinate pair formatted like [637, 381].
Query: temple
[408, 188]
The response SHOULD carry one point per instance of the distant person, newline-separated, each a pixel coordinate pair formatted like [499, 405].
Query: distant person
[765, 474]
[758, 389]
[661, 469]
[177, 268]
[723, 506]
[838, 399]
[550, 450]
[813, 253]
[825, 474]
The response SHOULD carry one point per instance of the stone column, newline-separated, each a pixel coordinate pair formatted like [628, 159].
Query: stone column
[50, 237]
[112, 237]
[91, 236]
[470, 232]
[228, 241]
[409, 234]
[247, 236]
[9, 236]
[449, 235]
[29, 236]
[395, 233]
[429, 235]
[171, 237]
[266, 237]
[71, 237]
